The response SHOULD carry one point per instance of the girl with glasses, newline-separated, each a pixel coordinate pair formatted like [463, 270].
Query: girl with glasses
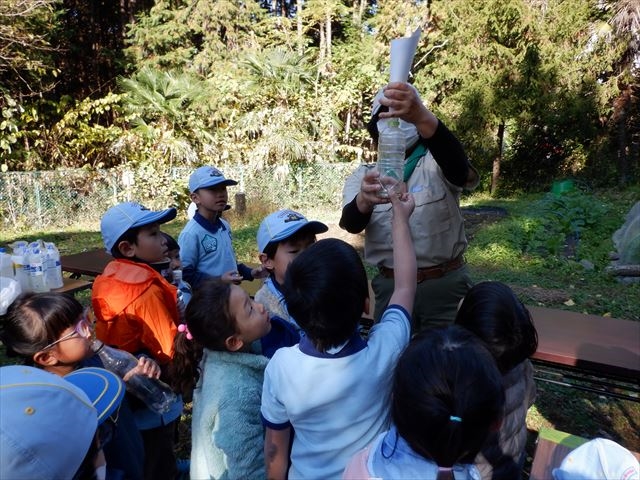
[53, 331]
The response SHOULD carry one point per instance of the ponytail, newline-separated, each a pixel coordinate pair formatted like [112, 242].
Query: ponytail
[183, 370]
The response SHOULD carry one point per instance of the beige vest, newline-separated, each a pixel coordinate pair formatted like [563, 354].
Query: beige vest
[437, 226]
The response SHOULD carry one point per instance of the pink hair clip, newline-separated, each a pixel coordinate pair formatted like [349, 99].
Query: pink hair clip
[183, 328]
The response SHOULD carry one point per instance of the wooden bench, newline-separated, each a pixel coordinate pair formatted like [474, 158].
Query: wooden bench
[551, 448]
[73, 285]
[607, 348]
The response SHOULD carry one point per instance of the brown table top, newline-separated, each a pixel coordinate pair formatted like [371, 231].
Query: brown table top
[90, 263]
[609, 346]
[72, 285]
[93, 262]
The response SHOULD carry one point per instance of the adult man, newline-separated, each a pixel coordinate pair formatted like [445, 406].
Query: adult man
[436, 171]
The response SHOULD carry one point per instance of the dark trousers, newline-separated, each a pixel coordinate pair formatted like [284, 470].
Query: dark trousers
[159, 457]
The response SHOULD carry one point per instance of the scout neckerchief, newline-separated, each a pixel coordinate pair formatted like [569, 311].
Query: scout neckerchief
[412, 160]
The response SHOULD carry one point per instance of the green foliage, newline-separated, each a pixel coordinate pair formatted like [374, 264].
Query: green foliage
[9, 124]
[552, 221]
[538, 85]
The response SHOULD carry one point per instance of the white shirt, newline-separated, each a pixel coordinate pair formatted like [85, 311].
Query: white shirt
[337, 404]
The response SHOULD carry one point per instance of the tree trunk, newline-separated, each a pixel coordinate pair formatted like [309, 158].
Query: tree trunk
[322, 53]
[328, 35]
[347, 127]
[495, 172]
[621, 105]
[299, 22]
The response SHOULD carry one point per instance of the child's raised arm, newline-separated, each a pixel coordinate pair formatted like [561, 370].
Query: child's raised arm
[404, 255]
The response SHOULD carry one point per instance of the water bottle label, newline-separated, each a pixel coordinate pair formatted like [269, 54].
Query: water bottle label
[36, 269]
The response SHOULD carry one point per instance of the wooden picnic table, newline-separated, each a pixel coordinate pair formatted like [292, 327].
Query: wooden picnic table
[92, 263]
[602, 345]
[73, 285]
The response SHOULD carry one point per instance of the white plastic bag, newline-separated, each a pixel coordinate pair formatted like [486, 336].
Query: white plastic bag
[9, 291]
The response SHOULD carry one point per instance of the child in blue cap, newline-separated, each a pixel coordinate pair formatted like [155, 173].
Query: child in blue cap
[136, 310]
[206, 248]
[281, 237]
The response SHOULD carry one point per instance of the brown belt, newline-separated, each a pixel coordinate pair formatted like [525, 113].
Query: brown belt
[429, 273]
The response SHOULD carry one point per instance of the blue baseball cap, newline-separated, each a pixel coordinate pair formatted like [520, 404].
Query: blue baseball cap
[282, 224]
[46, 424]
[120, 218]
[205, 177]
[104, 389]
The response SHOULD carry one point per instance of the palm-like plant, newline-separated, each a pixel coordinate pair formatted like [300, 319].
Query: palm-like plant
[278, 124]
[162, 108]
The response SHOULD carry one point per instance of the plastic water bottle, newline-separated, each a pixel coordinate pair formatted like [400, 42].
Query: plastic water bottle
[156, 394]
[53, 274]
[6, 264]
[184, 293]
[391, 151]
[37, 271]
[21, 265]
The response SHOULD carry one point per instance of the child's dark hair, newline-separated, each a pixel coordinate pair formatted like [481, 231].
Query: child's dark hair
[325, 288]
[493, 312]
[302, 234]
[210, 323]
[34, 320]
[447, 394]
[172, 244]
[130, 236]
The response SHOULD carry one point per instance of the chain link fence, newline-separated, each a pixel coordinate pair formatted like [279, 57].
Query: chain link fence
[66, 198]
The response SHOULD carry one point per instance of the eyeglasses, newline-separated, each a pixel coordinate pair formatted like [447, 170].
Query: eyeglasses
[82, 329]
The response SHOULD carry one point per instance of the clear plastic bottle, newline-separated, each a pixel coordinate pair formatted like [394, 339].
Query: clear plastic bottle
[184, 293]
[37, 271]
[21, 265]
[6, 264]
[156, 394]
[391, 152]
[53, 274]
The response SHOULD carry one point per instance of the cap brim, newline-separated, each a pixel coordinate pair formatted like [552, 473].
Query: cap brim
[314, 227]
[104, 389]
[163, 216]
[225, 182]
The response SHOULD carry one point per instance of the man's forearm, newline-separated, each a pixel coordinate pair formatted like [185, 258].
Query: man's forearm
[352, 219]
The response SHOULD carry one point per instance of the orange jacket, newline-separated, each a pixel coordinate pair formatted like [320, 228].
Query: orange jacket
[136, 309]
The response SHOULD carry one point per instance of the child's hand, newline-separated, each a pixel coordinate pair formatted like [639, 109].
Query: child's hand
[146, 367]
[403, 205]
[259, 272]
[231, 277]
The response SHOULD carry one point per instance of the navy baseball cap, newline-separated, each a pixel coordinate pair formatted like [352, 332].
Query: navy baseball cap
[282, 224]
[120, 218]
[206, 177]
